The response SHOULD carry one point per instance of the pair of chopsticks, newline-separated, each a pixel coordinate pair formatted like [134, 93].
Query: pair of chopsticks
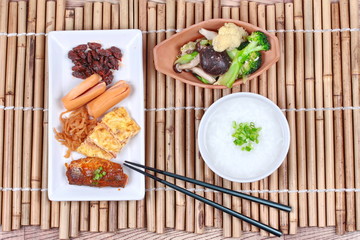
[258, 224]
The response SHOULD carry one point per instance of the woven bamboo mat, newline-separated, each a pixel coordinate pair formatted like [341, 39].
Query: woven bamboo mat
[315, 82]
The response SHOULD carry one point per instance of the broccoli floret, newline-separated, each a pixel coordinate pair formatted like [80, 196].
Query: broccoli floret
[242, 45]
[257, 42]
[251, 65]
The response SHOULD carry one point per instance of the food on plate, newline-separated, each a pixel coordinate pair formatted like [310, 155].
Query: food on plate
[75, 129]
[96, 172]
[229, 37]
[246, 134]
[110, 135]
[84, 92]
[91, 58]
[221, 57]
[112, 96]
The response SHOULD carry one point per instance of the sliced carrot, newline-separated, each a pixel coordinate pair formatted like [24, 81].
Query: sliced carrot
[108, 99]
[84, 92]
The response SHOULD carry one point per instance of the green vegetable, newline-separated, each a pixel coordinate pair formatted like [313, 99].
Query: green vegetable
[98, 174]
[205, 42]
[246, 134]
[202, 79]
[251, 65]
[186, 58]
[257, 42]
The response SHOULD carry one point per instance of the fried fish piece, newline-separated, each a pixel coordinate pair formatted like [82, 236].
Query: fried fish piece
[96, 172]
[103, 138]
[89, 149]
[121, 124]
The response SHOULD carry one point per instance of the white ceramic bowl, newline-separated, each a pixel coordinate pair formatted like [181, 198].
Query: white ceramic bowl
[228, 160]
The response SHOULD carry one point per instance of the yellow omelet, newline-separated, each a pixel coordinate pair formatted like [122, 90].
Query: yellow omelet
[91, 150]
[121, 124]
[110, 135]
[104, 139]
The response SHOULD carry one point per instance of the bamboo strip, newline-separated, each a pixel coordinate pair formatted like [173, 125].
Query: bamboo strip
[191, 211]
[142, 20]
[9, 116]
[208, 174]
[84, 216]
[60, 14]
[160, 129]
[300, 116]
[253, 20]
[45, 203]
[150, 117]
[310, 116]
[123, 205]
[272, 95]
[97, 20]
[348, 121]
[103, 216]
[104, 205]
[69, 225]
[235, 201]
[18, 115]
[319, 115]
[64, 220]
[218, 215]
[113, 205]
[338, 123]
[355, 73]
[244, 16]
[113, 220]
[3, 41]
[85, 206]
[95, 205]
[94, 216]
[88, 15]
[227, 219]
[329, 126]
[38, 115]
[115, 15]
[27, 122]
[131, 13]
[170, 117]
[70, 16]
[124, 14]
[136, 14]
[199, 162]
[245, 205]
[281, 100]
[106, 16]
[179, 132]
[290, 102]
[79, 18]
[263, 89]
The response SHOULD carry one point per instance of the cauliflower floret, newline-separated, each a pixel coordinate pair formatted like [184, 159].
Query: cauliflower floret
[229, 36]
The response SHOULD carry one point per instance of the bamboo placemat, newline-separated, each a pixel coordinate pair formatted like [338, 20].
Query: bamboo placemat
[315, 82]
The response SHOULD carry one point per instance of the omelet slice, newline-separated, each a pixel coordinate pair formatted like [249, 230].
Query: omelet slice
[121, 124]
[104, 139]
[89, 149]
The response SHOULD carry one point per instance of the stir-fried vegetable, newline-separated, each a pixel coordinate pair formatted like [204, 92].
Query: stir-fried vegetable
[186, 58]
[246, 134]
[257, 42]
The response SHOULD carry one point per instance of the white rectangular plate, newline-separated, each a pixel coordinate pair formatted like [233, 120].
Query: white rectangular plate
[61, 82]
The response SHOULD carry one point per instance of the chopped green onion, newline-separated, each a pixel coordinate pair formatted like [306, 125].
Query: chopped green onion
[245, 134]
[186, 58]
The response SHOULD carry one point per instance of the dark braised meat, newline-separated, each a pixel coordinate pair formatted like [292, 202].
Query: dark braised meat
[91, 58]
[96, 172]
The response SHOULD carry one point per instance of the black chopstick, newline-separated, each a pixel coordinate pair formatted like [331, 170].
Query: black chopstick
[260, 225]
[217, 188]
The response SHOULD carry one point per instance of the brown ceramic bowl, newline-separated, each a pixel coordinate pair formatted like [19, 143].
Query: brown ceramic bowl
[165, 53]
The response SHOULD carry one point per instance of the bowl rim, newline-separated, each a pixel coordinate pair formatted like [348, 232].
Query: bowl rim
[284, 126]
[238, 82]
